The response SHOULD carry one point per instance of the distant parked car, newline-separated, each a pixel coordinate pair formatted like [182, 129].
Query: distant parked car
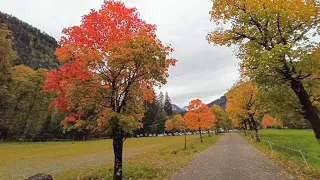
[220, 130]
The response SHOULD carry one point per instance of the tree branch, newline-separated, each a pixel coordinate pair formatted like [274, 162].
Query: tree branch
[284, 41]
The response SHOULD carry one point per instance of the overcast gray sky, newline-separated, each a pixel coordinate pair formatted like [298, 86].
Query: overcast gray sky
[203, 71]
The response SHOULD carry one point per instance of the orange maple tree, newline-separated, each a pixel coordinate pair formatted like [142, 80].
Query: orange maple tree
[110, 64]
[199, 117]
[269, 121]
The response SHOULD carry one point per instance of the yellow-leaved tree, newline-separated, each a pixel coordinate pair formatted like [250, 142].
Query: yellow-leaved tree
[243, 105]
[222, 118]
[175, 123]
[275, 45]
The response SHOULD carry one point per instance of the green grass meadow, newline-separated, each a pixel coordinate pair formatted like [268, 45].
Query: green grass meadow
[291, 159]
[144, 158]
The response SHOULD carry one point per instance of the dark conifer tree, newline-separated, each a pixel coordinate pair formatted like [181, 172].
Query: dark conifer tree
[168, 105]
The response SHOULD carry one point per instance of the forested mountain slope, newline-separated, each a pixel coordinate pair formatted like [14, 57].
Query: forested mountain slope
[222, 101]
[34, 48]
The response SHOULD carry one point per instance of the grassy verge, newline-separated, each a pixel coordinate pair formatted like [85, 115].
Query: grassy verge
[156, 163]
[148, 158]
[286, 145]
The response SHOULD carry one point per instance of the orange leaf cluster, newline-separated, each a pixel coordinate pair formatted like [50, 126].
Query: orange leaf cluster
[112, 60]
[199, 116]
[71, 118]
[269, 121]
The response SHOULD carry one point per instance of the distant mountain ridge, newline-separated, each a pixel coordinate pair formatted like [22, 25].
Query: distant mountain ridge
[177, 109]
[34, 47]
[222, 101]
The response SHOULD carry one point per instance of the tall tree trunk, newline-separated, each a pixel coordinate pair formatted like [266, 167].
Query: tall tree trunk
[200, 134]
[245, 127]
[250, 124]
[254, 124]
[117, 150]
[25, 129]
[209, 132]
[24, 133]
[309, 111]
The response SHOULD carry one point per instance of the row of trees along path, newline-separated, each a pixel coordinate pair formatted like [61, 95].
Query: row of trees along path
[111, 62]
[198, 118]
[275, 46]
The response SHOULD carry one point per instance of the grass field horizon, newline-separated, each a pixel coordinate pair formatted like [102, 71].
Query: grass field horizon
[82, 159]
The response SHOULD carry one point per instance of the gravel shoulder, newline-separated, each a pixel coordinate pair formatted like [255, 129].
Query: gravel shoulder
[231, 158]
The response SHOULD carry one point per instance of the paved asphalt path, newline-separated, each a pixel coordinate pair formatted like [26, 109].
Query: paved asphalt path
[231, 158]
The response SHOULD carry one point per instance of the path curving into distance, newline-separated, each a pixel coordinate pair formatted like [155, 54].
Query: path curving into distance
[231, 158]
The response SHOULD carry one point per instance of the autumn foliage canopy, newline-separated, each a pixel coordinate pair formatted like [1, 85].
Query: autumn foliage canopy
[242, 101]
[199, 116]
[175, 123]
[110, 64]
[276, 45]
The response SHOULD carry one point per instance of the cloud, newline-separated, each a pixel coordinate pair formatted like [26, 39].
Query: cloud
[203, 71]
